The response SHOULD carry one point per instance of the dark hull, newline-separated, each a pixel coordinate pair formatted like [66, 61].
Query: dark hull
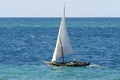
[70, 64]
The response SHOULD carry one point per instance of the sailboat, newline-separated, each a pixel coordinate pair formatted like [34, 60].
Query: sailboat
[63, 47]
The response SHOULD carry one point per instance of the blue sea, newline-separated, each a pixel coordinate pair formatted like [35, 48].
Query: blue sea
[26, 42]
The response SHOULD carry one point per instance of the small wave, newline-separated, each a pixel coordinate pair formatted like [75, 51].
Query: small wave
[32, 36]
[21, 24]
[117, 68]
[97, 66]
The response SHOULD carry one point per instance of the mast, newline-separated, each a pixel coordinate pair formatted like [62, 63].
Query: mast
[62, 53]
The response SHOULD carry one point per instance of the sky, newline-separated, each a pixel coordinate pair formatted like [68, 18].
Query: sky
[54, 8]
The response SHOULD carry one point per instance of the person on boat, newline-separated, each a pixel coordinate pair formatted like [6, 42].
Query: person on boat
[74, 60]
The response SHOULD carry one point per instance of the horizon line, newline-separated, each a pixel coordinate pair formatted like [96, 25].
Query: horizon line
[59, 17]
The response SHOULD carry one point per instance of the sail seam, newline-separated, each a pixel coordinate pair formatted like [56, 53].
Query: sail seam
[61, 49]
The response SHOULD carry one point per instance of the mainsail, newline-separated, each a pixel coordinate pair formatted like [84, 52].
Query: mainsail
[63, 45]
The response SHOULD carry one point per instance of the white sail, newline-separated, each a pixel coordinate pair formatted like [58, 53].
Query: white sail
[63, 45]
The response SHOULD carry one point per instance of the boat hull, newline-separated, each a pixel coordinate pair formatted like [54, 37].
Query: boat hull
[70, 64]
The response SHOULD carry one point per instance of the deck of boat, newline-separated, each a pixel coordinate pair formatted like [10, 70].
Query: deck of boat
[70, 64]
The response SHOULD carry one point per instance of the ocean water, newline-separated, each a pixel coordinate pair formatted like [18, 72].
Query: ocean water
[26, 42]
